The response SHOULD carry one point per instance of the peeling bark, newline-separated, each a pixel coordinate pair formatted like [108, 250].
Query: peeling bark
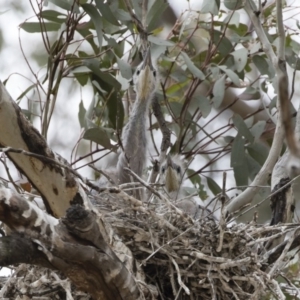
[57, 186]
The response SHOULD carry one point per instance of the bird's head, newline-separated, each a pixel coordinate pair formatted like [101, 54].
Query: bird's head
[171, 173]
[145, 78]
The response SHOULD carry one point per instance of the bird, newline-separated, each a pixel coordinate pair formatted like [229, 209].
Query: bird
[172, 176]
[134, 141]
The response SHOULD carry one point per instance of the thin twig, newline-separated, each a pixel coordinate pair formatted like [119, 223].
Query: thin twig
[222, 223]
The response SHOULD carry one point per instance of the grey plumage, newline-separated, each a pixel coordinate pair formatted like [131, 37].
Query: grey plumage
[134, 140]
[171, 175]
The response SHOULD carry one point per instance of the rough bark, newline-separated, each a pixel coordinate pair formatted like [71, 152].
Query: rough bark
[24, 251]
[77, 245]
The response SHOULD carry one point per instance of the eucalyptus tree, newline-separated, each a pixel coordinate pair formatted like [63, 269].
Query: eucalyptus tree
[221, 88]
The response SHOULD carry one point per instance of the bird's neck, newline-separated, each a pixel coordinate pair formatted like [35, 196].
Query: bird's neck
[135, 128]
[140, 107]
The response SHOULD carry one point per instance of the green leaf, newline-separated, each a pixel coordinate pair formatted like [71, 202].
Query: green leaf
[242, 128]
[241, 175]
[263, 66]
[160, 42]
[202, 192]
[177, 87]
[122, 15]
[213, 186]
[204, 105]
[69, 5]
[240, 30]
[228, 139]
[124, 68]
[253, 166]
[25, 92]
[106, 12]
[88, 123]
[232, 76]
[154, 14]
[82, 78]
[210, 6]
[176, 108]
[94, 66]
[238, 161]
[87, 34]
[33, 27]
[137, 7]
[259, 152]
[98, 85]
[250, 93]
[219, 92]
[191, 66]
[81, 115]
[115, 111]
[96, 19]
[99, 136]
[273, 103]
[197, 182]
[234, 4]
[292, 59]
[72, 60]
[238, 152]
[240, 59]
[232, 19]
[257, 129]
[222, 42]
[53, 16]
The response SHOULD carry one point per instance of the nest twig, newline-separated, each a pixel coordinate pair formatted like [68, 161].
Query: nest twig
[180, 256]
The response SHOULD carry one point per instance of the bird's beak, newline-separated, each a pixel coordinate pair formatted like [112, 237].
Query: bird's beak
[171, 183]
[169, 161]
[171, 176]
[147, 60]
[146, 78]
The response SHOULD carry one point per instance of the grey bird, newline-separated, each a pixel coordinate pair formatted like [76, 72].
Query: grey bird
[172, 176]
[134, 139]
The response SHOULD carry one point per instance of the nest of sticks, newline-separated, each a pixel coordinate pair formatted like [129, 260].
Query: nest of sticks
[182, 258]
[37, 283]
[205, 258]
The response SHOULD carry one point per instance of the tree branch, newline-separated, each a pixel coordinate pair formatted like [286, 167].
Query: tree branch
[246, 196]
[79, 246]
[57, 186]
[24, 251]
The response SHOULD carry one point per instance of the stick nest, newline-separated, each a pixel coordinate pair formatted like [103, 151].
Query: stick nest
[203, 259]
[181, 258]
